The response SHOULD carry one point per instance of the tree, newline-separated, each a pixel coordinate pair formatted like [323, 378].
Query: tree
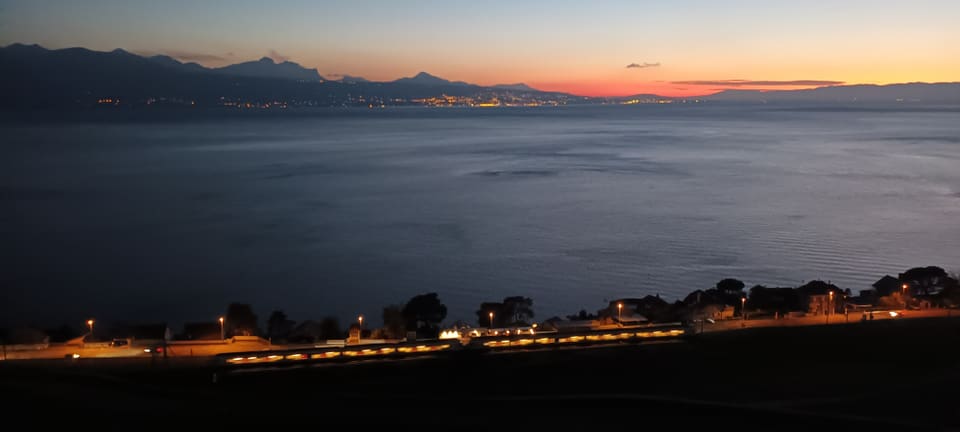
[730, 285]
[924, 280]
[512, 311]
[278, 326]
[581, 316]
[517, 310]
[330, 328]
[950, 296]
[394, 324]
[240, 320]
[483, 314]
[424, 313]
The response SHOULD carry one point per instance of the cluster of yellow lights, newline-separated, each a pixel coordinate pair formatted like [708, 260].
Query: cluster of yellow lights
[515, 342]
[255, 359]
[367, 352]
[423, 348]
[449, 334]
[593, 338]
[326, 355]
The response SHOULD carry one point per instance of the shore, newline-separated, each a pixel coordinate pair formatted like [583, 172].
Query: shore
[891, 374]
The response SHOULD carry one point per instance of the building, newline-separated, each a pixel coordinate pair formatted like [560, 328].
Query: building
[638, 309]
[709, 304]
[821, 297]
[885, 286]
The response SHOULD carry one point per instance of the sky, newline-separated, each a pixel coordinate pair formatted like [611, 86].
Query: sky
[678, 47]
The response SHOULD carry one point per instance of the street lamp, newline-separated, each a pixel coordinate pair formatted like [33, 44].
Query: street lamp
[491, 319]
[829, 307]
[360, 320]
[903, 294]
[222, 336]
[619, 313]
[90, 324]
[743, 311]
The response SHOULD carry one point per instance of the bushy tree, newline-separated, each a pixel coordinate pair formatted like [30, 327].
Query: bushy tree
[517, 310]
[424, 313]
[512, 311]
[330, 328]
[278, 326]
[483, 314]
[923, 280]
[240, 320]
[730, 285]
[582, 316]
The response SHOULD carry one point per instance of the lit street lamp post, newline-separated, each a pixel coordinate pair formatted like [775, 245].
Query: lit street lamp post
[829, 306]
[620, 314]
[90, 324]
[491, 319]
[903, 294]
[222, 336]
[743, 311]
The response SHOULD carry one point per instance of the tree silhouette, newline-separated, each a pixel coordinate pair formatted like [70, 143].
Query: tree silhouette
[512, 311]
[278, 326]
[582, 316]
[518, 310]
[424, 313]
[730, 285]
[923, 280]
[240, 320]
[330, 328]
[483, 314]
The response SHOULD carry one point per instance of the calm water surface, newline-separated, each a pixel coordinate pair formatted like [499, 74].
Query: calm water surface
[342, 214]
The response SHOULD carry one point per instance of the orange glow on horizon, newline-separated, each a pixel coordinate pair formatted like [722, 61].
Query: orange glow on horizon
[667, 89]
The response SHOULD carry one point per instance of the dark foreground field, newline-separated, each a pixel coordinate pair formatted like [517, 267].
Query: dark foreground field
[893, 375]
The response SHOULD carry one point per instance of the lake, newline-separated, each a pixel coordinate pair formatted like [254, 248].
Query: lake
[342, 212]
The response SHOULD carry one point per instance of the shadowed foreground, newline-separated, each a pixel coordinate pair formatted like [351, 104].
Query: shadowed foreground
[890, 375]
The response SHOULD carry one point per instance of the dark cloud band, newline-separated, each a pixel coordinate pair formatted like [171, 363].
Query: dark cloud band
[759, 83]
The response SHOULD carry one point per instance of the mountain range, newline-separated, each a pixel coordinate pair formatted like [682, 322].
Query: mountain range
[36, 77]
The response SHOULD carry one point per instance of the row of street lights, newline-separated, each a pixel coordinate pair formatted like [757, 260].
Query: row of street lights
[743, 313]
[90, 323]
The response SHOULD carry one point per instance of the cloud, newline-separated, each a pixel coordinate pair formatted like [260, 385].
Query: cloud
[277, 57]
[758, 83]
[642, 65]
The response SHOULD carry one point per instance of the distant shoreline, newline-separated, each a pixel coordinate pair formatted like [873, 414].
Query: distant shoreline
[200, 114]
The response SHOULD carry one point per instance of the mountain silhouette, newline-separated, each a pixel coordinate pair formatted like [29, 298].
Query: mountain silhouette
[424, 78]
[174, 63]
[37, 78]
[267, 68]
[521, 87]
